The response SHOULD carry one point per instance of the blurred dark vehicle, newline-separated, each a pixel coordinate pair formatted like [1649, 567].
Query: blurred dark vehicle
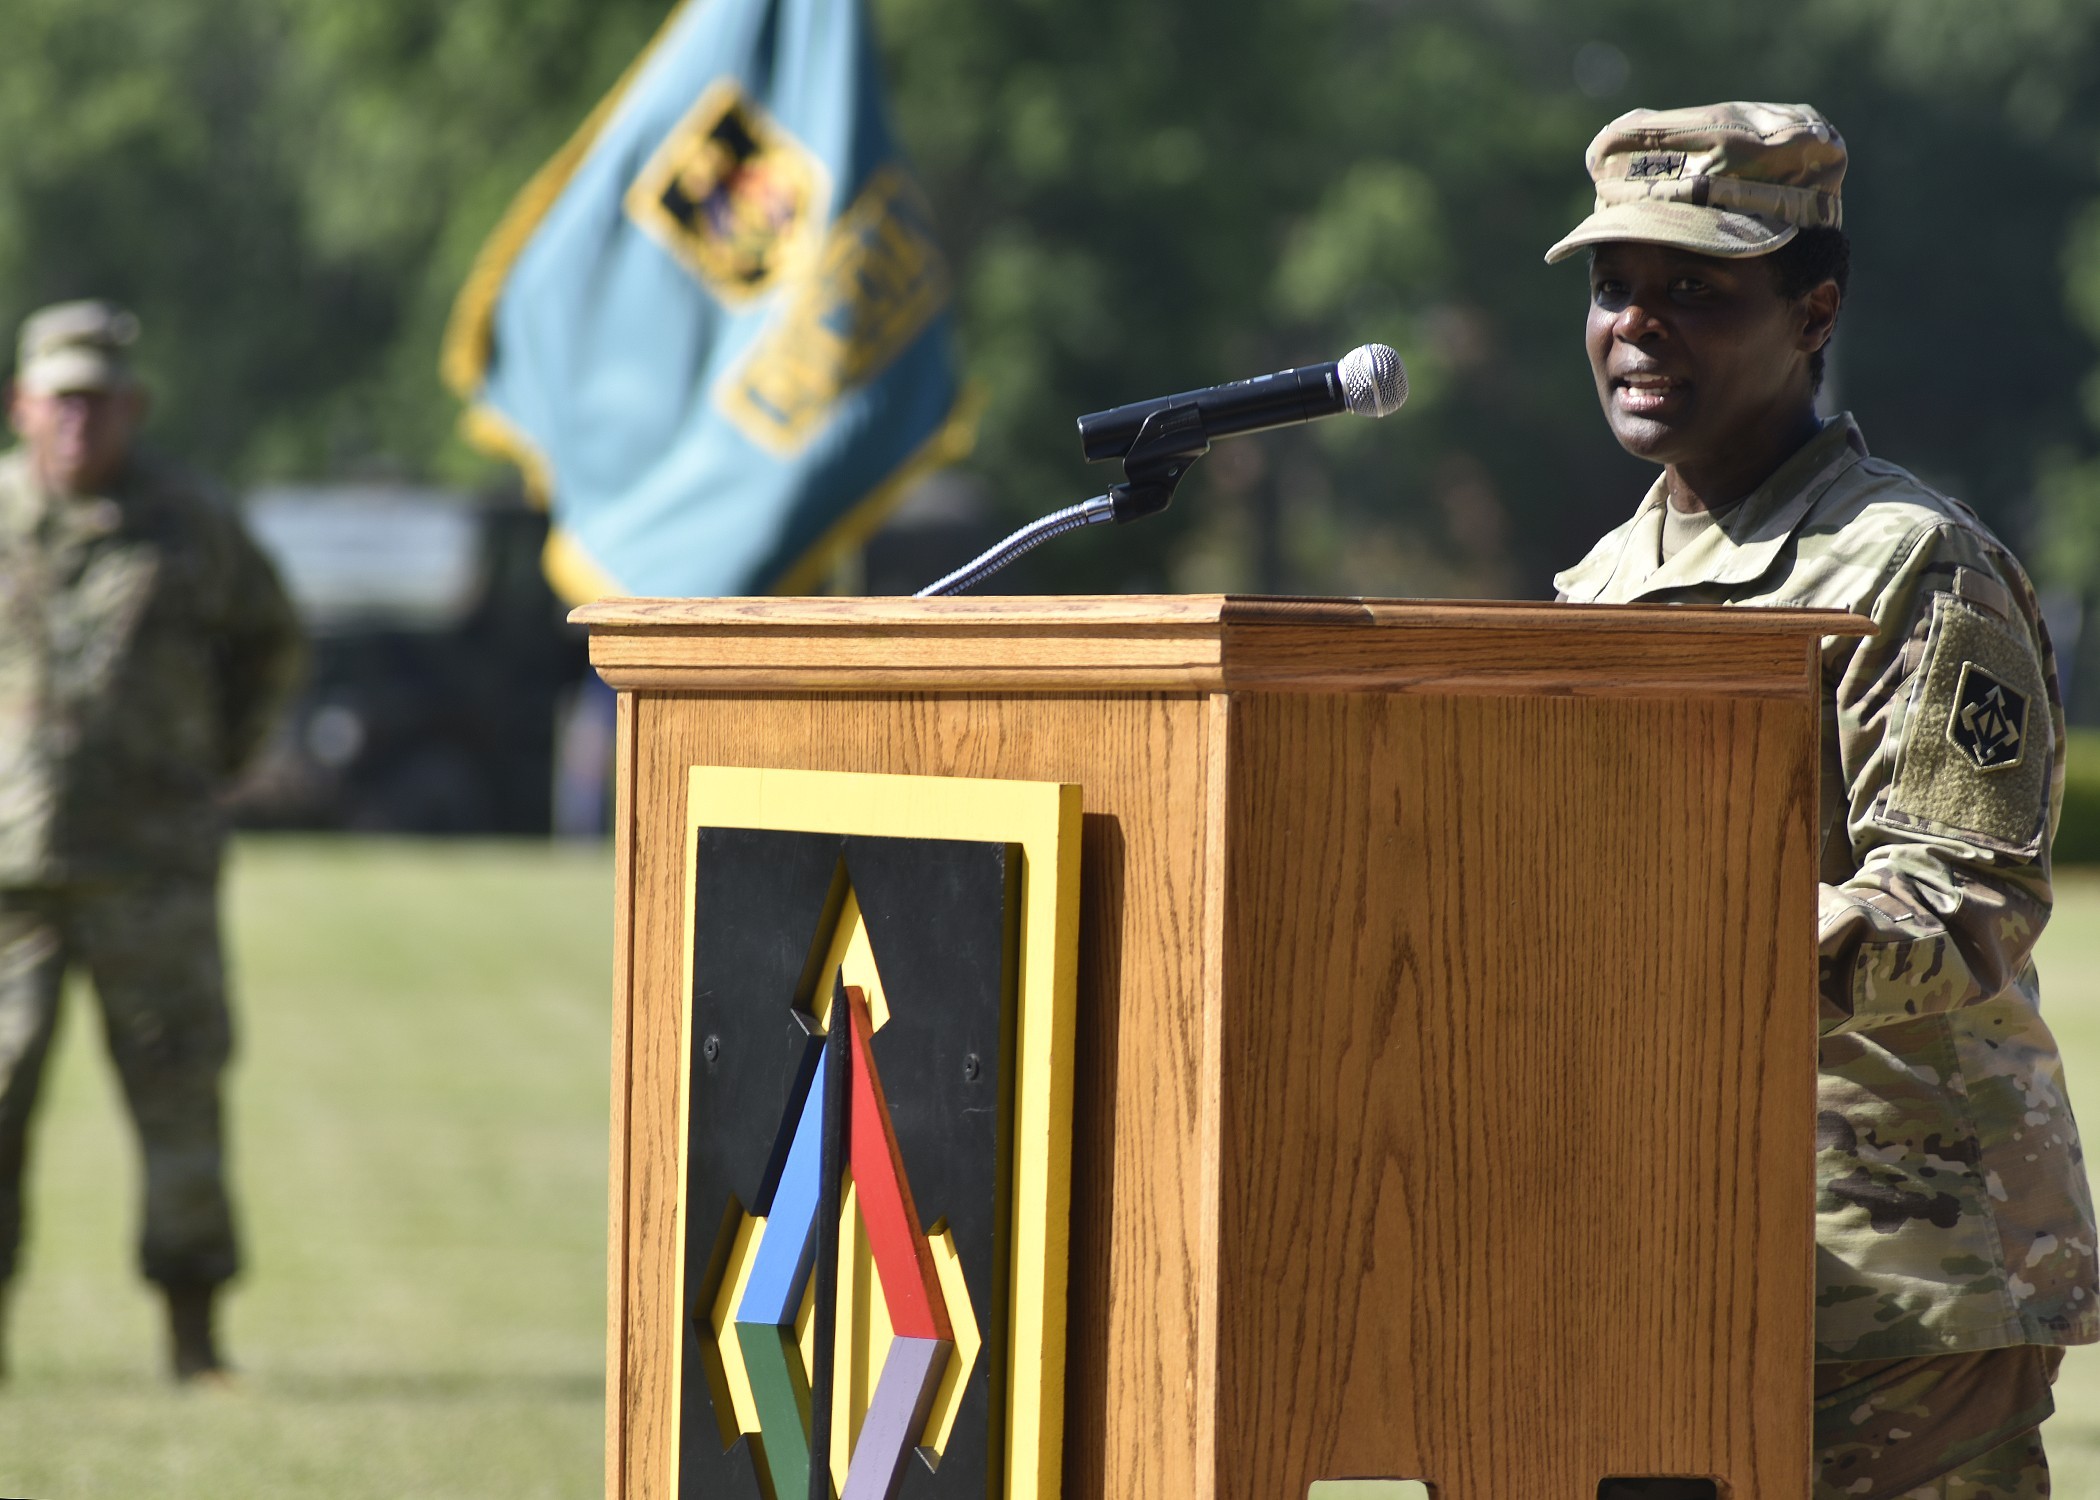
[440, 664]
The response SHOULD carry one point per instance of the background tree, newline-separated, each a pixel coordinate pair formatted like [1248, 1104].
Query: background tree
[1139, 196]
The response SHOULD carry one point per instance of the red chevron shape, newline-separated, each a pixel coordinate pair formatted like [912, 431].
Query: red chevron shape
[910, 1286]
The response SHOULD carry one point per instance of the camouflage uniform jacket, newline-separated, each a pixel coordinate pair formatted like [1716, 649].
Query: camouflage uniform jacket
[146, 647]
[1953, 1212]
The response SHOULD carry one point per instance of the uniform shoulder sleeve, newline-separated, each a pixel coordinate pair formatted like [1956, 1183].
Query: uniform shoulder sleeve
[1975, 737]
[258, 646]
[1950, 733]
[18, 500]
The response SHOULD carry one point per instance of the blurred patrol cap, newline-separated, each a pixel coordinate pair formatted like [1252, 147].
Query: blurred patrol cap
[1723, 179]
[76, 346]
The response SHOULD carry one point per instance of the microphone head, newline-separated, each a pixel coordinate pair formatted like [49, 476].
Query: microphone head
[1374, 382]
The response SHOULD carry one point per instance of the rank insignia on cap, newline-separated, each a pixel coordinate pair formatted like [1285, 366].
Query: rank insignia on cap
[1989, 722]
[1656, 164]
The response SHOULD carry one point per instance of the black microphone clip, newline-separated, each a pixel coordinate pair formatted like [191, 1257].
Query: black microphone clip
[1168, 442]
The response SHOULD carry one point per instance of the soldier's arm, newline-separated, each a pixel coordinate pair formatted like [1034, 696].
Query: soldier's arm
[1951, 737]
[262, 650]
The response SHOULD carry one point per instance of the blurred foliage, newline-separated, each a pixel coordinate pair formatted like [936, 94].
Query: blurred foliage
[288, 192]
[1140, 196]
[2078, 827]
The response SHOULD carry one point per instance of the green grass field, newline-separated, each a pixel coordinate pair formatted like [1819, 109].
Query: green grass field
[420, 1116]
[419, 1119]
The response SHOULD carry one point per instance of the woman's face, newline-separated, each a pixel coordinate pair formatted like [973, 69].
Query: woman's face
[1696, 357]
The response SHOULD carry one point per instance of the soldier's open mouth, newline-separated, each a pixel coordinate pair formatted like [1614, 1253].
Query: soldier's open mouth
[1642, 394]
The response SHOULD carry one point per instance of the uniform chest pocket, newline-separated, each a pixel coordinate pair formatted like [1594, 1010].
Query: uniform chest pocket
[96, 620]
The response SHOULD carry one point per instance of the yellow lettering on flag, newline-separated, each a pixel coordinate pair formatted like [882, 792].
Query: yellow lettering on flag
[878, 284]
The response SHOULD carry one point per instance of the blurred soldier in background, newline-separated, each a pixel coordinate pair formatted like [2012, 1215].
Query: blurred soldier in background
[145, 647]
[1954, 1236]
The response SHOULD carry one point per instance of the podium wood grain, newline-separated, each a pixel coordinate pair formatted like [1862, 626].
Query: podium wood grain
[1446, 1033]
[1532, 1204]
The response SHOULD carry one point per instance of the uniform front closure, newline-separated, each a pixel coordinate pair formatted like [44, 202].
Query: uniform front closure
[1742, 545]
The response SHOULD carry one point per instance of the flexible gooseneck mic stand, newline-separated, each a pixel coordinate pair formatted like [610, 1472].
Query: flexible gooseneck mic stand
[1170, 440]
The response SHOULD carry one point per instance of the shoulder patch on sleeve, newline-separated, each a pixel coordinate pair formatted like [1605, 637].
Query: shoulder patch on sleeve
[1975, 758]
[1989, 722]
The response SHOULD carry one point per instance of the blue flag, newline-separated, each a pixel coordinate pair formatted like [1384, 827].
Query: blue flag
[714, 331]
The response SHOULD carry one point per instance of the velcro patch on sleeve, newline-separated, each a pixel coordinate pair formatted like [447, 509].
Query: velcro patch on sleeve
[1977, 738]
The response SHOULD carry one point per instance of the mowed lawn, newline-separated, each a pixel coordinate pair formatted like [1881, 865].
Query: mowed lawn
[419, 1117]
[420, 1111]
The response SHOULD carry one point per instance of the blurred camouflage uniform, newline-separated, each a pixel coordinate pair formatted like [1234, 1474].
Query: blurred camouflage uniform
[145, 647]
[1955, 1231]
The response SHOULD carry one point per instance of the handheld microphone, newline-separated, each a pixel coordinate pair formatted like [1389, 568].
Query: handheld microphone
[1158, 440]
[1369, 381]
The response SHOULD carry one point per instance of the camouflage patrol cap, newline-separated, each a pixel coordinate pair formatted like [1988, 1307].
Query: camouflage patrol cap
[76, 346]
[1731, 180]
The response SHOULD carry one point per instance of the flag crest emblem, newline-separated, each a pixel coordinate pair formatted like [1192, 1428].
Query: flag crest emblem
[731, 194]
[714, 331]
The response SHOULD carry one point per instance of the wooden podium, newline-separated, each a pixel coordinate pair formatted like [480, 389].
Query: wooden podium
[1446, 1015]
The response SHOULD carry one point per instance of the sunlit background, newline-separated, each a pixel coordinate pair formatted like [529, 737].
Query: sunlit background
[1137, 196]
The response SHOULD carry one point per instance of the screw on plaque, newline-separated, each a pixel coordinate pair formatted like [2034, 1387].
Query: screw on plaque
[711, 1049]
[971, 1068]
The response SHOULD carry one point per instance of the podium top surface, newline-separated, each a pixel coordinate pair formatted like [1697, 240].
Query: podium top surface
[1206, 642]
